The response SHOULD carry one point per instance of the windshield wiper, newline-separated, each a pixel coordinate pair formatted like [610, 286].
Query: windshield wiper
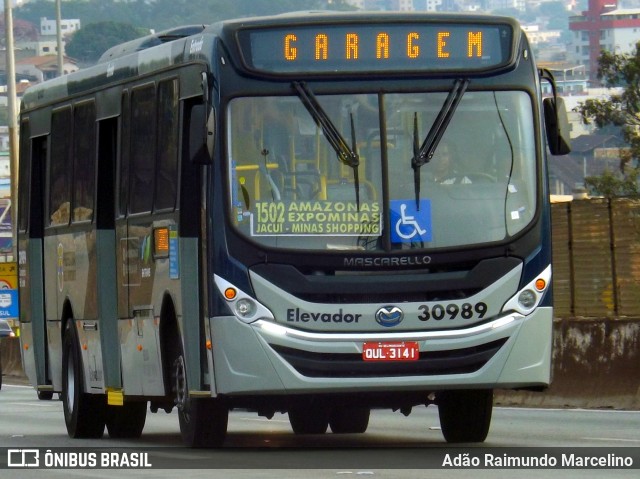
[424, 153]
[346, 155]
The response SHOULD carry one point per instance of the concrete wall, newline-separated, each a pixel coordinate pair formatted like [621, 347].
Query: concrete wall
[596, 364]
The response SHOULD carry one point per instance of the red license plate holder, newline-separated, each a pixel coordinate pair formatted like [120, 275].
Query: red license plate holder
[391, 351]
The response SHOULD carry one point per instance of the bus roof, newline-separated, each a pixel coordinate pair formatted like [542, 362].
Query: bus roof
[171, 47]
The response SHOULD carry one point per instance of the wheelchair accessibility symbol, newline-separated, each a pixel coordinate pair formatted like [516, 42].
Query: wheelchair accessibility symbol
[408, 224]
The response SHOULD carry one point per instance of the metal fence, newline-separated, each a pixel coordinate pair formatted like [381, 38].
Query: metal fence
[596, 258]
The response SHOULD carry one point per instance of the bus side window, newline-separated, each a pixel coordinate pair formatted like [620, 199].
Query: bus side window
[84, 147]
[167, 169]
[142, 148]
[24, 177]
[122, 166]
[59, 174]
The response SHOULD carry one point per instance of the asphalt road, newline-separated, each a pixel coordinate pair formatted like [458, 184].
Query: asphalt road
[394, 446]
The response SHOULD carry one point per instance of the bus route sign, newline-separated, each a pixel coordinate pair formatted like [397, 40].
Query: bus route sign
[8, 291]
[316, 218]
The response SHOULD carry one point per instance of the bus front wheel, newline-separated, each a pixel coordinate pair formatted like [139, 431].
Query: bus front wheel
[84, 414]
[465, 415]
[351, 420]
[312, 418]
[203, 421]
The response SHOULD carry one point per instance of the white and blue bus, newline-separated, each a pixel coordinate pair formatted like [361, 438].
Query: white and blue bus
[320, 214]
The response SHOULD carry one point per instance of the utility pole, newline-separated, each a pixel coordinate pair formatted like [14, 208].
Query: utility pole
[59, 38]
[12, 117]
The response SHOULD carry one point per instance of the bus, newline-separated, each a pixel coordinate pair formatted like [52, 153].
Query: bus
[252, 215]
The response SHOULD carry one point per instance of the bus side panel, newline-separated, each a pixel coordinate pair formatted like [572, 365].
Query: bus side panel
[147, 282]
[30, 271]
[70, 282]
[81, 289]
[53, 314]
[191, 324]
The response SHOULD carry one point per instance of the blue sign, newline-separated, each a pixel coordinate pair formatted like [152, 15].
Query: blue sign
[8, 303]
[174, 262]
[410, 224]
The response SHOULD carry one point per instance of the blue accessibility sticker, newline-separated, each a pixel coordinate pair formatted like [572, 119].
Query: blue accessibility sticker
[409, 223]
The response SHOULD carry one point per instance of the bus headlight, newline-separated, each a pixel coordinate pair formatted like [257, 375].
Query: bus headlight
[526, 300]
[243, 306]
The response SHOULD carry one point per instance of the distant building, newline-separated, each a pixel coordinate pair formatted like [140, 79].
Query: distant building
[48, 27]
[428, 5]
[603, 27]
[31, 40]
[520, 5]
[570, 79]
[536, 36]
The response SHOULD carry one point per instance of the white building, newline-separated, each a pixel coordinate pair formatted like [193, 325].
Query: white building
[43, 46]
[44, 67]
[427, 5]
[48, 27]
[623, 37]
[603, 27]
[535, 35]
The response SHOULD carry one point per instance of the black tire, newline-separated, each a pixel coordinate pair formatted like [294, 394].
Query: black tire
[465, 415]
[351, 420]
[127, 421]
[203, 421]
[84, 414]
[307, 419]
[45, 395]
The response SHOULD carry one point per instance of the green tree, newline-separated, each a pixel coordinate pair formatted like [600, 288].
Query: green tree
[163, 14]
[91, 41]
[622, 110]
[612, 184]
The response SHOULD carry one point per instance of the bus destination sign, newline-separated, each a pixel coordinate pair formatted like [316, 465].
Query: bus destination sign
[338, 48]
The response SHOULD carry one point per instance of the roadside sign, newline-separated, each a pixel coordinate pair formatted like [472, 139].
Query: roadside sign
[9, 291]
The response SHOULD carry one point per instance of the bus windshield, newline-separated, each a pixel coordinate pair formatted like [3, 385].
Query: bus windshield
[294, 185]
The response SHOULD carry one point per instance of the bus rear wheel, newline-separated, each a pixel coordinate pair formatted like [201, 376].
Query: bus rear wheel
[203, 421]
[465, 415]
[351, 420]
[126, 421]
[84, 414]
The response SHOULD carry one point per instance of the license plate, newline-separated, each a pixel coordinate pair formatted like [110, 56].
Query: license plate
[403, 351]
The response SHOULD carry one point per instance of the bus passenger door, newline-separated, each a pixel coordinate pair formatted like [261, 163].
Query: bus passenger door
[148, 183]
[106, 252]
[121, 204]
[31, 259]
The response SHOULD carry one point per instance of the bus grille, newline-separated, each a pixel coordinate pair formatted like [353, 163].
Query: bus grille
[430, 363]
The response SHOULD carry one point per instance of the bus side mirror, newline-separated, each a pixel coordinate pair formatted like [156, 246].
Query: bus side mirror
[557, 126]
[201, 135]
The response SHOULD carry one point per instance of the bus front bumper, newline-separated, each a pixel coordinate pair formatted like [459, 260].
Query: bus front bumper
[512, 351]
